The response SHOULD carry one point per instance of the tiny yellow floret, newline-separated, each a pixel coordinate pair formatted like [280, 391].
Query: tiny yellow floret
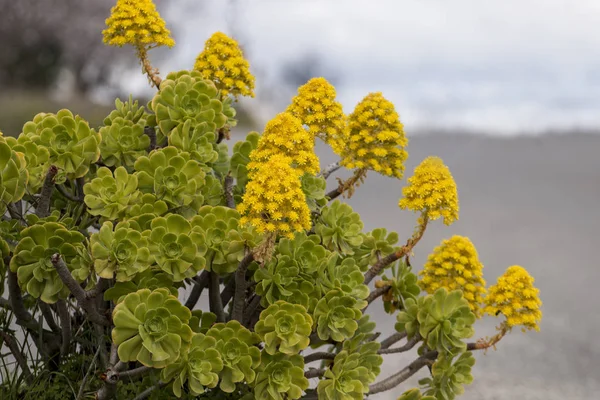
[223, 62]
[455, 265]
[136, 22]
[315, 106]
[432, 191]
[284, 135]
[516, 298]
[374, 138]
[274, 200]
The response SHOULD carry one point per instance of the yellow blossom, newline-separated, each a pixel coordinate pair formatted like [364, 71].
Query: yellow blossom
[315, 106]
[455, 265]
[516, 298]
[223, 62]
[285, 135]
[374, 138]
[136, 22]
[432, 190]
[274, 200]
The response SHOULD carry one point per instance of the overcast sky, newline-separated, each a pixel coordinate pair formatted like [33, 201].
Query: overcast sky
[505, 66]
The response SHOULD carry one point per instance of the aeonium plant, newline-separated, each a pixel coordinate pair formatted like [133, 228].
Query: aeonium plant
[111, 234]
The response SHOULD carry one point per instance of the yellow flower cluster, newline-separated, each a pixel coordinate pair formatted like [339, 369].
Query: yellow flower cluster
[274, 200]
[138, 23]
[515, 296]
[455, 265]
[223, 62]
[432, 190]
[315, 106]
[374, 138]
[285, 135]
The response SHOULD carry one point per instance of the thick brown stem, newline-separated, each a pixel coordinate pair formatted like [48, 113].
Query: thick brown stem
[214, 297]
[348, 185]
[409, 345]
[239, 298]
[65, 323]
[200, 283]
[43, 207]
[320, 355]
[396, 337]
[314, 373]
[399, 377]
[229, 200]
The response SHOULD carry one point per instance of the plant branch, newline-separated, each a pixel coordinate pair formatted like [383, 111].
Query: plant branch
[404, 374]
[390, 258]
[229, 200]
[47, 313]
[396, 337]
[200, 283]
[376, 294]
[83, 298]
[12, 345]
[250, 310]
[151, 133]
[348, 185]
[63, 191]
[134, 373]
[110, 378]
[228, 291]
[330, 169]
[214, 297]
[151, 389]
[15, 298]
[65, 323]
[409, 345]
[320, 355]
[148, 69]
[315, 373]
[15, 213]
[43, 207]
[240, 288]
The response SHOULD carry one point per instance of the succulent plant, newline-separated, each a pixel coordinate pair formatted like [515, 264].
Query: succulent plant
[403, 285]
[123, 142]
[111, 196]
[340, 228]
[346, 380]
[32, 259]
[444, 319]
[414, 394]
[377, 243]
[212, 191]
[72, 144]
[119, 254]
[284, 328]
[175, 247]
[336, 315]
[151, 327]
[241, 357]
[280, 377]
[198, 140]
[146, 210]
[13, 175]
[202, 321]
[221, 166]
[172, 176]
[241, 158]
[362, 344]
[36, 159]
[130, 111]
[148, 279]
[345, 276]
[186, 95]
[199, 367]
[314, 189]
[407, 319]
[449, 378]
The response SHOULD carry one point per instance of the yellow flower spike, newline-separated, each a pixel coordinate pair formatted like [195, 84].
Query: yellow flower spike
[223, 62]
[454, 264]
[284, 135]
[136, 22]
[516, 298]
[432, 191]
[275, 186]
[374, 138]
[315, 106]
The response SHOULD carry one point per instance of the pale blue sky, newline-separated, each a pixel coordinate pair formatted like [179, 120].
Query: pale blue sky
[506, 66]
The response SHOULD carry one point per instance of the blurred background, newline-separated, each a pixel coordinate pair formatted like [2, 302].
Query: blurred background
[506, 93]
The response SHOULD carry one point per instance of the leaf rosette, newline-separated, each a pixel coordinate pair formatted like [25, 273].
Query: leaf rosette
[284, 328]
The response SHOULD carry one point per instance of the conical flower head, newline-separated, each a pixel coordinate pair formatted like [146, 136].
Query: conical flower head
[374, 138]
[316, 107]
[274, 200]
[136, 22]
[432, 191]
[516, 298]
[285, 135]
[223, 62]
[454, 264]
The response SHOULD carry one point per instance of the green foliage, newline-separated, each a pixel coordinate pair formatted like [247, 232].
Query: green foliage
[123, 142]
[199, 367]
[202, 321]
[241, 357]
[129, 111]
[340, 228]
[32, 259]
[336, 315]
[375, 244]
[148, 279]
[414, 394]
[314, 188]
[403, 285]
[284, 328]
[198, 140]
[280, 377]
[13, 175]
[72, 144]
[345, 276]
[363, 345]
[151, 327]
[111, 196]
[346, 380]
[36, 162]
[448, 378]
[241, 158]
